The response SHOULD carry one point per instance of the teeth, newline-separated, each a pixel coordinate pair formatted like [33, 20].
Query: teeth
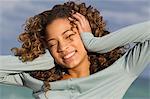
[69, 55]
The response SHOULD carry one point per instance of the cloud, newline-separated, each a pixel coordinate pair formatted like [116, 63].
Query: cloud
[18, 11]
[123, 17]
[146, 10]
[10, 16]
[13, 16]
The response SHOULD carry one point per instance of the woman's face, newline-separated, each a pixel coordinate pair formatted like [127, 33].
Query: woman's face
[65, 44]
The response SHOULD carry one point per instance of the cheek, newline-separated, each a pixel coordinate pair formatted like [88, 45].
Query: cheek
[54, 53]
[56, 57]
[79, 43]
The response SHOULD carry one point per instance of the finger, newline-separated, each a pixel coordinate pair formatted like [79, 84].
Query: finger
[81, 16]
[71, 19]
[86, 22]
[79, 26]
[73, 11]
[82, 22]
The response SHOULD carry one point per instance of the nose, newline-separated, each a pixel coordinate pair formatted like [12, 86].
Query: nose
[62, 46]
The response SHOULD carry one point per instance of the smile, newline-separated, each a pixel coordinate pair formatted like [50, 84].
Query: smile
[69, 55]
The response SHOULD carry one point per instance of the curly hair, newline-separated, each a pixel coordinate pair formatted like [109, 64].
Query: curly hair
[33, 42]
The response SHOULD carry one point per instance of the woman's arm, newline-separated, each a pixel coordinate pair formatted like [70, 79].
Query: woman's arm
[21, 79]
[11, 79]
[137, 58]
[134, 33]
[11, 68]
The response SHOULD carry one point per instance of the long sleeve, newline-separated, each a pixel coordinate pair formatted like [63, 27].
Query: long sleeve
[23, 80]
[11, 68]
[137, 58]
[134, 33]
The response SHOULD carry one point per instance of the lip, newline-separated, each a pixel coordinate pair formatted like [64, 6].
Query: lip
[69, 55]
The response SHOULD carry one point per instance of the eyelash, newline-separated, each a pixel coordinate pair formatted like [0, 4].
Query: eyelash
[70, 36]
[51, 45]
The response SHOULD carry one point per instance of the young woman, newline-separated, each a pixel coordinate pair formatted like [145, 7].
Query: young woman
[84, 62]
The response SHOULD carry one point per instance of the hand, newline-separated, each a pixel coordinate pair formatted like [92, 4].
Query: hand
[81, 22]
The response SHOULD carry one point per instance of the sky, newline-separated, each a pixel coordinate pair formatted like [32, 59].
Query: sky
[116, 13]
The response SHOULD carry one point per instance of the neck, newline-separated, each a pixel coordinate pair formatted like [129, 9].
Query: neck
[79, 72]
[82, 70]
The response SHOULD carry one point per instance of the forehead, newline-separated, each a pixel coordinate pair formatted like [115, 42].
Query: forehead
[58, 26]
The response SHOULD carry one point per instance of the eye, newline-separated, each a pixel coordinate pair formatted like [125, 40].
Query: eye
[52, 44]
[69, 36]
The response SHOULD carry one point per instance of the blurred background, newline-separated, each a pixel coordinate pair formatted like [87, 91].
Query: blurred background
[116, 13]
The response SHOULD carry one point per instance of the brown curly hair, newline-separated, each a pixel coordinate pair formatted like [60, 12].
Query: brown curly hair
[33, 42]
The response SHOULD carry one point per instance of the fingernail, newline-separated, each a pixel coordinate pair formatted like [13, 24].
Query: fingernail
[73, 11]
[69, 18]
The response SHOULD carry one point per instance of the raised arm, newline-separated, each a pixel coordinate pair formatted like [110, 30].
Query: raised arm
[137, 58]
[11, 68]
[134, 33]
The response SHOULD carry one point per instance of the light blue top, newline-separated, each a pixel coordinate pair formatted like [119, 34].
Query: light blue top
[110, 83]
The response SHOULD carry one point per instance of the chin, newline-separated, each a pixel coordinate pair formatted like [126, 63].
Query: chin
[72, 64]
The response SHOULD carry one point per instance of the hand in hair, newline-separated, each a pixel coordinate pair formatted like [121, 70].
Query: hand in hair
[82, 23]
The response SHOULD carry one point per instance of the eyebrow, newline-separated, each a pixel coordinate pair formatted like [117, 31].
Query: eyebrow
[62, 34]
[66, 31]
